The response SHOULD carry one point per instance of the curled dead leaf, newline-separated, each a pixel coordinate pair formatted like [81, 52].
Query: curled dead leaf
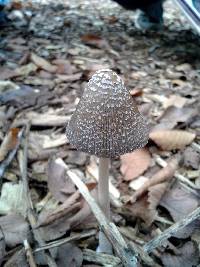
[187, 256]
[43, 63]
[174, 139]
[59, 185]
[8, 143]
[159, 177]
[135, 163]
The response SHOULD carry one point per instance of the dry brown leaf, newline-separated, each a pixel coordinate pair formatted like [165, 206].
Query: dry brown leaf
[140, 209]
[145, 207]
[92, 39]
[2, 246]
[58, 184]
[155, 194]
[175, 100]
[43, 63]
[69, 255]
[174, 115]
[8, 143]
[187, 256]
[179, 201]
[135, 163]
[191, 158]
[15, 229]
[174, 139]
[18, 259]
[159, 177]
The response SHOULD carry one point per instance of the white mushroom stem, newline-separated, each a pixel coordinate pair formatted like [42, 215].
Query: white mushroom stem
[104, 202]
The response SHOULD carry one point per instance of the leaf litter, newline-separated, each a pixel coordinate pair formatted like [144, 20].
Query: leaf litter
[47, 55]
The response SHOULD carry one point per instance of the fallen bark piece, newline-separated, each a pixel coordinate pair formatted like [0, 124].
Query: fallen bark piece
[174, 139]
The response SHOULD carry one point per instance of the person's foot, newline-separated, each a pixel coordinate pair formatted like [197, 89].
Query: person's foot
[3, 19]
[144, 22]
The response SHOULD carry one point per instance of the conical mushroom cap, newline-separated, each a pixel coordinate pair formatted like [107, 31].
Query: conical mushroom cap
[106, 122]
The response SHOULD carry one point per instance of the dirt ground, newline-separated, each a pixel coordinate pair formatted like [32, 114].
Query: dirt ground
[48, 52]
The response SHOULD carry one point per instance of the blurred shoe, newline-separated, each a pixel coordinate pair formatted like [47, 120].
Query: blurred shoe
[3, 19]
[144, 22]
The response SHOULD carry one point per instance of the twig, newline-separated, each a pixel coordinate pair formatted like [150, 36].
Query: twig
[4, 164]
[66, 240]
[29, 254]
[101, 258]
[30, 212]
[177, 175]
[130, 235]
[157, 241]
[125, 253]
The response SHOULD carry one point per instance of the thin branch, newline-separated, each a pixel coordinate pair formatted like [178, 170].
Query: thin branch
[124, 251]
[157, 241]
[66, 240]
[30, 212]
[29, 254]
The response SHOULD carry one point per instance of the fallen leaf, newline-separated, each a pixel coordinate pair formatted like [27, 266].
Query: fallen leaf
[140, 209]
[92, 39]
[25, 70]
[44, 120]
[191, 158]
[174, 115]
[135, 163]
[9, 142]
[43, 63]
[69, 255]
[76, 157]
[175, 100]
[155, 194]
[161, 176]
[174, 139]
[59, 185]
[64, 66]
[12, 198]
[7, 86]
[187, 256]
[179, 201]
[15, 229]
[17, 260]
[136, 92]
[185, 67]
[2, 246]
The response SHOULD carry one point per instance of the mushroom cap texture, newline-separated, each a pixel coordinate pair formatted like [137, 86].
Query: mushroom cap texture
[107, 122]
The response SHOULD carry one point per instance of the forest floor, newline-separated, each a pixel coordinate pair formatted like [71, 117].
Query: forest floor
[48, 52]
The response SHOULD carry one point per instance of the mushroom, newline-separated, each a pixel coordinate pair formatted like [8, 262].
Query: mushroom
[107, 124]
